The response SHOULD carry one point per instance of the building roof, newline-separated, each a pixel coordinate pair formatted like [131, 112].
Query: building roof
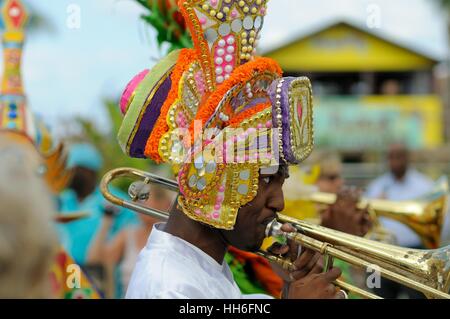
[345, 46]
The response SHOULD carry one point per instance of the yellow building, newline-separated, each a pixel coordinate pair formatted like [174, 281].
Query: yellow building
[369, 90]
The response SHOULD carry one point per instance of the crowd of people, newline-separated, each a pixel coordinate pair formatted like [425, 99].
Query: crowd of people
[73, 243]
[111, 238]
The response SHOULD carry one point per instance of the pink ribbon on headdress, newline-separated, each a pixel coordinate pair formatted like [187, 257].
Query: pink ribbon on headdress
[128, 92]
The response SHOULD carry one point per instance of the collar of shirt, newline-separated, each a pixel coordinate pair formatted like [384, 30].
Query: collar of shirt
[159, 238]
[170, 267]
[408, 178]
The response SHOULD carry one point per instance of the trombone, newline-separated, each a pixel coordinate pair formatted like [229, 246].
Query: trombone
[427, 271]
[425, 215]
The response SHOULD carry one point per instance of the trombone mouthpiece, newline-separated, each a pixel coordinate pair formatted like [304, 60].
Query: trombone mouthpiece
[273, 229]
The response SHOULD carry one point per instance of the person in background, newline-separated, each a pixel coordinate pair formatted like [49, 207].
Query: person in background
[28, 241]
[322, 172]
[391, 87]
[330, 178]
[30, 157]
[344, 215]
[83, 194]
[124, 248]
[325, 175]
[402, 182]
[25, 270]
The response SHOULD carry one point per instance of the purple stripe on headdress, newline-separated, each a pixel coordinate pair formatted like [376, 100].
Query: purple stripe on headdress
[253, 103]
[151, 115]
[286, 117]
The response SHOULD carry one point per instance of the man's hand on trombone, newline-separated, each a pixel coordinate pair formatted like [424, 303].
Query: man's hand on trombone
[308, 280]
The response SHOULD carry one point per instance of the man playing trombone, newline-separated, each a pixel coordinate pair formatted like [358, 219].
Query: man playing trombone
[401, 183]
[230, 125]
[184, 258]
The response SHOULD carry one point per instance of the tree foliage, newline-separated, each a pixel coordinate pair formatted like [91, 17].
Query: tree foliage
[164, 17]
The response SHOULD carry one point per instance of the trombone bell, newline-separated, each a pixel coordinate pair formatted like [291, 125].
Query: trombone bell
[425, 215]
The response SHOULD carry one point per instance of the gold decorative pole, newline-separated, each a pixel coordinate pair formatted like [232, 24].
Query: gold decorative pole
[14, 16]
[12, 98]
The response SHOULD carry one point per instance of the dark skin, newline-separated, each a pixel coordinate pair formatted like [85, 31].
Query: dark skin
[249, 233]
[345, 215]
[83, 182]
[398, 157]
[331, 182]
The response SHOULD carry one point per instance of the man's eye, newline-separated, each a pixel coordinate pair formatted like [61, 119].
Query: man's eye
[267, 179]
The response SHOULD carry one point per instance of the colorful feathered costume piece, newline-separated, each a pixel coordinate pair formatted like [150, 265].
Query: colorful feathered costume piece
[218, 113]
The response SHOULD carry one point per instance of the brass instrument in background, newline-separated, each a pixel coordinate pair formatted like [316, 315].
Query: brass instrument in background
[425, 215]
[427, 271]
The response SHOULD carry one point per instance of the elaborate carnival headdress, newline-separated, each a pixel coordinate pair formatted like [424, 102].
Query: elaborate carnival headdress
[16, 119]
[217, 112]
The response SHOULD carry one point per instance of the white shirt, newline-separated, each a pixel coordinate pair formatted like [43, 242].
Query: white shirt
[171, 268]
[411, 187]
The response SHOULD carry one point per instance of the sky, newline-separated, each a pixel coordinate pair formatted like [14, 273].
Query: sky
[71, 68]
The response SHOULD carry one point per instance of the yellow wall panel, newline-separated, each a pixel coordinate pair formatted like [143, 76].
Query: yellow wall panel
[372, 122]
